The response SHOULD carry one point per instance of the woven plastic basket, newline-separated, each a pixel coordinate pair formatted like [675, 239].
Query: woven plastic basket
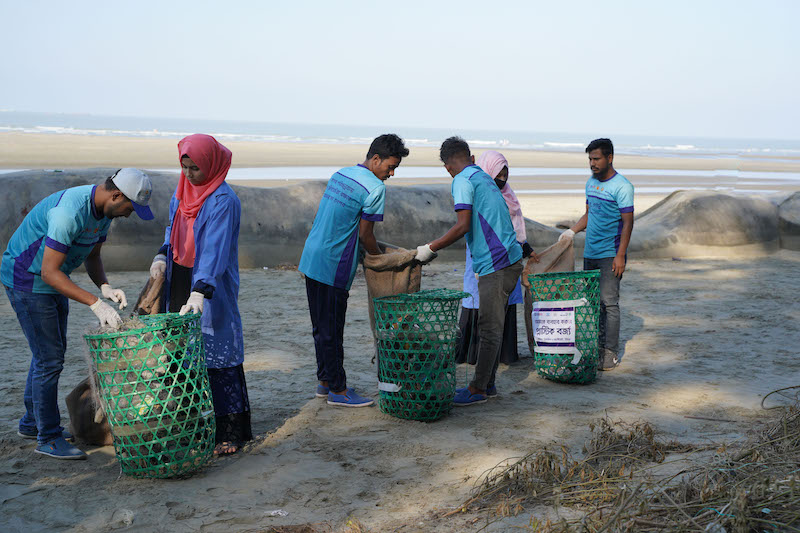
[154, 388]
[571, 286]
[417, 335]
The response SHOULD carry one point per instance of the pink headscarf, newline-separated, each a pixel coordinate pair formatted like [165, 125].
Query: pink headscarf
[492, 163]
[215, 161]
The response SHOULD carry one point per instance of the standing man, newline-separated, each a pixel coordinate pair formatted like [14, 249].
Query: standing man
[62, 231]
[608, 222]
[353, 201]
[496, 256]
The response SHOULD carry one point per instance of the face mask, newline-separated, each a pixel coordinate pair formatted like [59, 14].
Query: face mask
[500, 183]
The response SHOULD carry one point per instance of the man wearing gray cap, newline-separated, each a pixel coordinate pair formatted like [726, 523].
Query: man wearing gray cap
[60, 233]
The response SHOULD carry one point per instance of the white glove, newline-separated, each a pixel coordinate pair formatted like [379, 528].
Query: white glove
[194, 304]
[425, 254]
[567, 235]
[115, 295]
[106, 314]
[159, 266]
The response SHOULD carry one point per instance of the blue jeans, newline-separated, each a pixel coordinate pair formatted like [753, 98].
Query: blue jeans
[43, 318]
[609, 302]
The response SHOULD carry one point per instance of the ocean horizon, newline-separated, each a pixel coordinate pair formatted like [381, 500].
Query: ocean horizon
[176, 128]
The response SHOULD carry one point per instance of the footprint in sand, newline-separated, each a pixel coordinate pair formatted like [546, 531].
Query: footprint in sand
[180, 510]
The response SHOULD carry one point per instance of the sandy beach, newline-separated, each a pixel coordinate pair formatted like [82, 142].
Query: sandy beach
[703, 338]
[31, 150]
[695, 334]
[547, 204]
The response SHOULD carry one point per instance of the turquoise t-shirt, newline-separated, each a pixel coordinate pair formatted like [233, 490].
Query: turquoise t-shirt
[606, 200]
[66, 221]
[329, 255]
[491, 237]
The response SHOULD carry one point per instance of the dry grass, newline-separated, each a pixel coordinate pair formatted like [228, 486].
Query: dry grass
[616, 486]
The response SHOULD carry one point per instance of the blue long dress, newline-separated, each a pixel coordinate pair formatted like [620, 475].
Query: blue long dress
[216, 273]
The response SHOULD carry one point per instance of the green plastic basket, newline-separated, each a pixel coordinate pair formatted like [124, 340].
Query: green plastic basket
[417, 335]
[154, 389]
[557, 286]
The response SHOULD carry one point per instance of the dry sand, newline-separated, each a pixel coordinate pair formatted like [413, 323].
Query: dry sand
[697, 333]
[30, 150]
[702, 338]
[36, 150]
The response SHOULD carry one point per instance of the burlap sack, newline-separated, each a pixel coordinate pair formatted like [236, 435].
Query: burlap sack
[149, 300]
[559, 257]
[393, 272]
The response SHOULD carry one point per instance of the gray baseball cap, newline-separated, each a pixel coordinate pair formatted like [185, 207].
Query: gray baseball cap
[137, 187]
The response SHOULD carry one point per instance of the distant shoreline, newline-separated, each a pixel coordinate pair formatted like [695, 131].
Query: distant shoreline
[38, 150]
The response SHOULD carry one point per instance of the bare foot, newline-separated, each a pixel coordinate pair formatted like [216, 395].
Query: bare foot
[226, 448]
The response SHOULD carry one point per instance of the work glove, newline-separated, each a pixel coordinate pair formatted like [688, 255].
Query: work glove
[194, 304]
[106, 314]
[567, 235]
[425, 254]
[159, 266]
[115, 295]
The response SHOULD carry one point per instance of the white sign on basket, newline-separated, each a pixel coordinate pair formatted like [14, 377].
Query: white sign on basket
[554, 327]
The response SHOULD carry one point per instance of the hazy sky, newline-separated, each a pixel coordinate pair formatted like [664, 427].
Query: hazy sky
[694, 68]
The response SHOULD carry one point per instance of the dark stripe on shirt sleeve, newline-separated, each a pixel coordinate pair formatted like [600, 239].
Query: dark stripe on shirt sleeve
[459, 207]
[626, 209]
[55, 245]
[372, 218]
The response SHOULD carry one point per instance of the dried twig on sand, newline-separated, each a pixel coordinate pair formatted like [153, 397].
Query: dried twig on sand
[754, 487]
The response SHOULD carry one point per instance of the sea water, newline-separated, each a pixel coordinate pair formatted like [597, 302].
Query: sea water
[232, 130]
[568, 180]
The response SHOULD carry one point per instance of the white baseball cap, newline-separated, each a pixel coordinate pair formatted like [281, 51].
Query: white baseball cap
[137, 187]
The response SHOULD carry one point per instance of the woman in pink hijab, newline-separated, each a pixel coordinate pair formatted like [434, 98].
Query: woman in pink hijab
[496, 165]
[200, 258]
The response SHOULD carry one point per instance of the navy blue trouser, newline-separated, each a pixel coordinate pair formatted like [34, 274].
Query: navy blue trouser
[43, 318]
[328, 306]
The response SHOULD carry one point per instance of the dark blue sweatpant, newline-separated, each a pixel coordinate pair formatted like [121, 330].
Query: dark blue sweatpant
[328, 306]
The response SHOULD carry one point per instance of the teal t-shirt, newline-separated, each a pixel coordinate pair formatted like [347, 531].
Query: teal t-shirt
[66, 221]
[606, 200]
[491, 238]
[330, 252]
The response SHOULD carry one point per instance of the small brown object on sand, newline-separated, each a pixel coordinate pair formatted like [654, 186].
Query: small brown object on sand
[84, 414]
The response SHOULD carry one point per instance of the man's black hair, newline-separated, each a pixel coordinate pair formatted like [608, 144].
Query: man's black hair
[110, 185]
[605, 146]
[387, 145]
[452, 147]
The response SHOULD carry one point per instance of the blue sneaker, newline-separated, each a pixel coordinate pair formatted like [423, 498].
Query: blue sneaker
[348, 399]
[491, 392]
[464, 398]
[32, 435]
[60, 449]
